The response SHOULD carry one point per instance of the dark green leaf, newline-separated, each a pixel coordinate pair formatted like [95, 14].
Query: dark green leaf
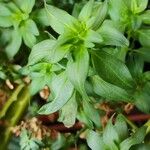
[144, 37]
[144, 52]
[111, 35]
[111, 69]
[109, 91]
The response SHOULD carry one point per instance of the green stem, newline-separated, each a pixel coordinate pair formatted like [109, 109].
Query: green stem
[131, 124]
[14, 114]
[11, 100]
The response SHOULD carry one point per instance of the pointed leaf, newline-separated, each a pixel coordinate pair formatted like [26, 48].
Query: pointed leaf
[94, 140]
[109, 91]
[41, 51]
[136, 138]
[105, 64]
[63, 90]
[86, 11]
[14, 45]
[111, 35]
[60, 19]
[77, 69]
[68, 112]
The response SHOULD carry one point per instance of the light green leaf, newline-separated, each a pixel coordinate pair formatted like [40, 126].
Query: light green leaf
[25, 5]
[138, 6]
[111, 35]
[41, 51]
[29, 30]
[136, 138]
[121, 127]
[41, 17]
[105, 65]
[101, 14]
[145, 17]
[68, 112]
[109, 91]
[86, 11]
[4, 11]
[77, 69]
[62, 90]
[14, 45]
[91, 113]
[61, 48]
[60, 19]
[94, 140]
[144, 37]
[93, 37]
[5, 21]
[110, 136]
[120, 14]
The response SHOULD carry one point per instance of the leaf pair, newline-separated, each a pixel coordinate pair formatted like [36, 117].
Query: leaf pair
[115, 137]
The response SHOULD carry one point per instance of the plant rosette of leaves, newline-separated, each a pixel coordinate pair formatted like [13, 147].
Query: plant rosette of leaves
[99, 55]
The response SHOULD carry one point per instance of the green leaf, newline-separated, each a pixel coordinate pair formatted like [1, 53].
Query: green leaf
[94, 140]
[111, 35]
[59, 19]
[136, 138]
[61, 48]
[5, 21]
[77, 69]
[105, 64]
[86, 11]
[101, 14]
[91, 113]
[29, 30]
[93, 37]
[25, 5]
[144, 37]
[121, 127]
[109, 91]
[144, 53]
[40, 74]
[136, 65]
[120, 14]
[138, 6]
[110, 136]
[68, 112]
[141, 147]
[63, 90]
[14, 45]
[145, 17]
[4, 11]
[41, 17]
[142, 99]
[41, 51]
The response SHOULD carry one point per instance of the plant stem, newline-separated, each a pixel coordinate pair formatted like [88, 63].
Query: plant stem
[14, 113]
